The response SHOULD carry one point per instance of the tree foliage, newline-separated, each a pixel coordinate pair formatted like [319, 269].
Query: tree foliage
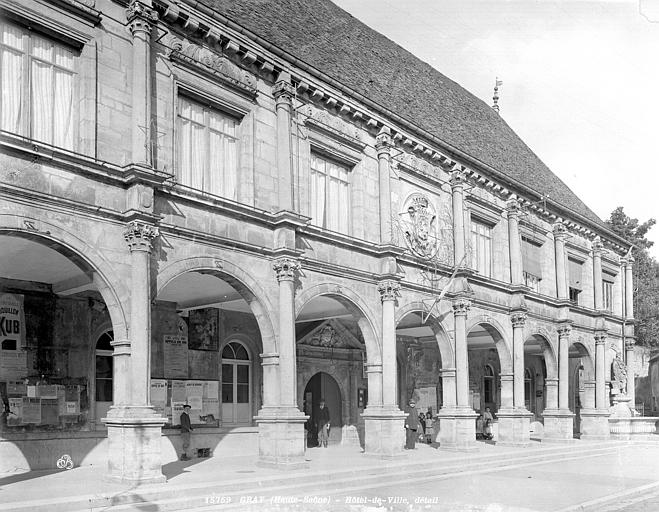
[645, 275]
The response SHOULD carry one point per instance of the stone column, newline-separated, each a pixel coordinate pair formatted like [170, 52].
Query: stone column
[457, 190]
[283, 92]
[629, 287]
[598, 249]
[551, 386]
[140, 21]
[383, 145]
[514, 243]
[389, 290]
[120, 372]
[601, 394]
[134, 428]
[631, 381]
[560, 235]
[281, 425]
[458, 425]
[374, 376]
[507, 391]
[518, 319]
[558, 422]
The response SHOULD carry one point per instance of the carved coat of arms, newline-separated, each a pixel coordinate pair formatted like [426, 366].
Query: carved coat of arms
[421, 229]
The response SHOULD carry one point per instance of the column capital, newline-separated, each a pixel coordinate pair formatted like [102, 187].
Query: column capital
[139, 235]
[389, 289]
[461, 306]
[458, 180]
[627, 261]
[383, 142]
[513, 207]
[286, 268]
[560, 231]
[140, 17]
[518, 318]
[564, 331]
[600, 338]
[598, 246]
[283, 90]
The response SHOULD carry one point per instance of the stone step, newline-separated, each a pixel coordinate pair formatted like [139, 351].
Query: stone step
[208, 495]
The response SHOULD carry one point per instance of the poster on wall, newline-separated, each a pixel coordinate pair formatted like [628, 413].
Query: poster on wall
[15, 415]
[204, 329]
[31, 409]
[13, 357]
[176, 355]
[159, 395]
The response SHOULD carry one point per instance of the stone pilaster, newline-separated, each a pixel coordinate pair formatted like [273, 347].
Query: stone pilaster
[281, 425]
[518, 319]
[283, 93]
[141, 19]
[631, 379]
[457, 191]
[598, 249]
[383, 145]
[458, 425]
[448, 388]
[134, 428]
[560, 236]
[628, 263]
[514, 243]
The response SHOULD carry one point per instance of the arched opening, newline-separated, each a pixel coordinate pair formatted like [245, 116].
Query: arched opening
[540, 364]
[335, 337]
[54, 302]
[103, 373]
[581, 394]
[323, 386]
[209, 325]
[488, 359]
[421, 347]
[236, 384]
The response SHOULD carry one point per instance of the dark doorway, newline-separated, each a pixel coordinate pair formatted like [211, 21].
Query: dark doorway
[322, 385]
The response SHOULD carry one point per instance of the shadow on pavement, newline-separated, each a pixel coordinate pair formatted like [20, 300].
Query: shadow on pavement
[28, 475]
[175, 468]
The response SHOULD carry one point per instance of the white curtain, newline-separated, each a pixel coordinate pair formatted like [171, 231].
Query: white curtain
[223, 166]
[63, 108]
[11, 79]
[317, 196]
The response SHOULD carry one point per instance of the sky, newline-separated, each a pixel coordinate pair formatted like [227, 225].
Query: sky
[580, 82]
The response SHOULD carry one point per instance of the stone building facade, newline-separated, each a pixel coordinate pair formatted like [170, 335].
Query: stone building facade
[225, 204]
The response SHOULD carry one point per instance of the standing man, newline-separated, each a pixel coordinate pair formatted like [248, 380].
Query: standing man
[186, 428]
[411, 426]
[323, 423]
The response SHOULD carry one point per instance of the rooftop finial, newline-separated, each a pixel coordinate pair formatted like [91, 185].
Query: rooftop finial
[497, 83]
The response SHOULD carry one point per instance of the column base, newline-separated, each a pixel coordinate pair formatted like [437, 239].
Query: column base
[281, 438]
[595, 425]
[134, 451]
[457, 431]
[558, 426]
[514, 427]
[384, 432]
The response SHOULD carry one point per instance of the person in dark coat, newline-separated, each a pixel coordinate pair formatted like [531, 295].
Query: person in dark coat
[186, 428]
[411, 426]
[323, 424]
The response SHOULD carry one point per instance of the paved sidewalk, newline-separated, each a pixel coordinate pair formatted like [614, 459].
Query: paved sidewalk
[540, 477]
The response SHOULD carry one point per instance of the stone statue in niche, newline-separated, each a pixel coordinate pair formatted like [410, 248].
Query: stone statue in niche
[619, 373]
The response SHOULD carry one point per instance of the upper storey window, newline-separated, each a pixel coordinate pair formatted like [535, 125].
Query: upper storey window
[575, 269]
[481, 247]
[37, 76]
[330, 194]
[207, 144]
[531, 264]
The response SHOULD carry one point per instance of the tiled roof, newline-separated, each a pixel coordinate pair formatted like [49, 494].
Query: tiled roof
[329, 39]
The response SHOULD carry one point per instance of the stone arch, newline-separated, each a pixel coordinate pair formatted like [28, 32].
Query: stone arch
[79, 252]
[495, 330]
[353, 303]
[443, 341]
[338, 379]
[241, 281]
[548, 352]
[586, 356]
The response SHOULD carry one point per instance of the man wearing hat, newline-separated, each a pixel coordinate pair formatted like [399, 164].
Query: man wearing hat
[323, 424]
[186, 428]
[411, 426]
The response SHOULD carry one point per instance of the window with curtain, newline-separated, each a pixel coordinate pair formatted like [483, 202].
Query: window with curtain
[207, 149]
[607, 295]
[37, 79]
[488, 384]
[532, 268]
[330, 194]
[481, 248]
